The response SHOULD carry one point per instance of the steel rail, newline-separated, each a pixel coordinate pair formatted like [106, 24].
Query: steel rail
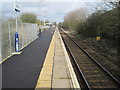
[97, 63]
[72, 56]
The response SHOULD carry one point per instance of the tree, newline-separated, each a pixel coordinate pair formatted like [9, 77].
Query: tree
[112, 3]
[72, 19]
[28, 18]
[47, 21]
[119, 34]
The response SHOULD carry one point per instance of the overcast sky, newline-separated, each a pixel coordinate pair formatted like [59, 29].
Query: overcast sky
[53, 11]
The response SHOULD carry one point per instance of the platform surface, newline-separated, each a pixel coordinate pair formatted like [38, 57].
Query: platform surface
[55, 72]
[22, 71]
[61, 78]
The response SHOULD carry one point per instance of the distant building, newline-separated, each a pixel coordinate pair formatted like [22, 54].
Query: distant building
[48, 24]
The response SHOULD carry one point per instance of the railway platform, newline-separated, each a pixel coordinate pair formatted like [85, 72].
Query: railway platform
[43, 64]
[22, 71]
[57, 71]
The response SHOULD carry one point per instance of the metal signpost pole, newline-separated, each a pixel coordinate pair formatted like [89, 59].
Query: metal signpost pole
[17, 51]
[0, 38]
[9, 28]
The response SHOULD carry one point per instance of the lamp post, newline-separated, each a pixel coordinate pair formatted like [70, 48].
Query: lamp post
[44, 23]
[40, 29]
[44, 19]
[0, 39]
[17, 51]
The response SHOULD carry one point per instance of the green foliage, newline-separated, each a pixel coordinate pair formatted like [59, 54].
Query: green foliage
[47, 21]
[101, 23]
[104, 24]
[28, 18]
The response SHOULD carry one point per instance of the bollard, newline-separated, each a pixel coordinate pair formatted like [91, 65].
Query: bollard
[39, 32]
[44, 29]
[16, 42]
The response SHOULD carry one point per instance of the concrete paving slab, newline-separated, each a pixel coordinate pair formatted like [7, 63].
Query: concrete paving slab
[59, 54]
[61, 83]
[60, 73]
[48, 61]
[59, 51]
[48, 64]
[59, 63]
[60, 58]
[47, 71]
[44, 84]
[45, 77]
[43, 89]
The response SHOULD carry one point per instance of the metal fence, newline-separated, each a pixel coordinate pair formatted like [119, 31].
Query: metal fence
[0, 38]
[27, 33]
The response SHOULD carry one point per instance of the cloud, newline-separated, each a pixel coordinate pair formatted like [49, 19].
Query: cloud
[54, 0]
[30, 9]
[54, 11]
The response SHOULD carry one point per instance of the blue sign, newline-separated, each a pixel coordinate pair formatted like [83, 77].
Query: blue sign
[16, 42]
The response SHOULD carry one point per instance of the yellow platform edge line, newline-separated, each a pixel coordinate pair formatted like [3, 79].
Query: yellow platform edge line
[5, 59]
[44, 80]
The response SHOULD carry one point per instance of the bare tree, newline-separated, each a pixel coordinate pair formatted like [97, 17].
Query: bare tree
[74, 17]
[112, 3]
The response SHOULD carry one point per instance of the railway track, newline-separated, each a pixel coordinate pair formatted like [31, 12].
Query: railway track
[93, 73]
